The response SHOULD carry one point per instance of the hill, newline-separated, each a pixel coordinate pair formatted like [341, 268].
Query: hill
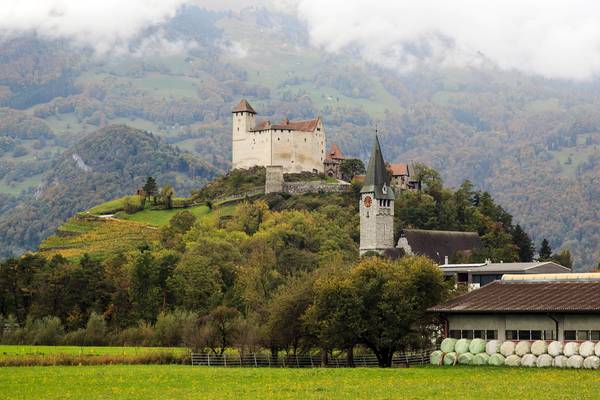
[531, 142]
[107, 163]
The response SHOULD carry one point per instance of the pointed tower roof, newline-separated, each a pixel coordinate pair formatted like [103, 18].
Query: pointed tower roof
[376, 178]
[244, 106]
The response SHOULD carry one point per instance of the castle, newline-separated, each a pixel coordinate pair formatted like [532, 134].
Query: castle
[296, 146]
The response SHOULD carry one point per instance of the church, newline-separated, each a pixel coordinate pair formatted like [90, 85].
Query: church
[377, 230]
[296, 146]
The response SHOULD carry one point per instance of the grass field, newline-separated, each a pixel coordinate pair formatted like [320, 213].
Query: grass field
[18, 350]
[186, 382]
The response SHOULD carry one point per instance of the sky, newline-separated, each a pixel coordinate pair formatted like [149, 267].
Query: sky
[552, 38]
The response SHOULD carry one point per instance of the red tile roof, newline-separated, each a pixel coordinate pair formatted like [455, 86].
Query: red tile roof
[304, 126]
[244, 106]
[527, 297]
[335, 153]
[399, 169]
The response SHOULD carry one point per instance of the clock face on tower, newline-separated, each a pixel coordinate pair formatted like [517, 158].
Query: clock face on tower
[368, 201]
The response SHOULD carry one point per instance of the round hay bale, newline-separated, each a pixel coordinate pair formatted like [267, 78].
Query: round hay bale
[462, 346]
[496, 360]
[560, 361]
[571, 349]
[492, 347]
[513, 361]
[575, 361]
[544, 360]
[597, 349]
[436, 357]
[591, 362]
[447, 345]
[555, 348]
[586, 349]
[507, 348]
[465, 358]
[529, 360]
[522, 348]
[481, 359]
[477, 346]
[450, 358]
[539, 347]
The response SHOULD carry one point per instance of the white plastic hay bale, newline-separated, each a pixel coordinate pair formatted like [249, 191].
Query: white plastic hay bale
[539, 347]
[496, 360]
[591, 362]
[450, 358]
[513, 361]
[447, 345]
[571, 349]
[522, 348]
[528, 360]
[507, 348]
[597, 349]
[492, 347]
[544, 360]
[560, 361]
[477, 346]
[575, 361]
[462, 346]
[481, 359]
[436, 357]
[555, 348]
[586, 349]
[465, 358]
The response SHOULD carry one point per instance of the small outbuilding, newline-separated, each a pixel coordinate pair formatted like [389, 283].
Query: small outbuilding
[527, 307]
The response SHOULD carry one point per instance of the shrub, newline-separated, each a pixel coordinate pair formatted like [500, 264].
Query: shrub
[141, 335]
[170, 327]
[46, 331]
[95, 330]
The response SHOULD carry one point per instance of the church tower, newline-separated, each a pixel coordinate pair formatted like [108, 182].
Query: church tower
[376, 206]
[244, 120]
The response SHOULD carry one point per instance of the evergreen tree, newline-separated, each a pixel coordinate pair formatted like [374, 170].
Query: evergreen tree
[523, 242]
[545, 251]
[150, 188]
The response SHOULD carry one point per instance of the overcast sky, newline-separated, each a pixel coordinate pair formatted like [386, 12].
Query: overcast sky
[554, 39]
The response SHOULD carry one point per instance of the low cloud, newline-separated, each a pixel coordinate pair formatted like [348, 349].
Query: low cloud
[555, 39]
[107, 26]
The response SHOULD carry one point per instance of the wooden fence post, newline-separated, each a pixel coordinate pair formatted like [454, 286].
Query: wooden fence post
[255, 363]
[208, 359]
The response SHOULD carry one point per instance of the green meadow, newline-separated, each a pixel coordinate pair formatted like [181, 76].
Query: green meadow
[186, 382]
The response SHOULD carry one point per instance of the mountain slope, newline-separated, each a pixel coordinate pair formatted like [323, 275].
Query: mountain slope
[108, 163]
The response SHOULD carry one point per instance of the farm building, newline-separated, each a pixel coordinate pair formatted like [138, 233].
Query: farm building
[477, 275]
[527, 307]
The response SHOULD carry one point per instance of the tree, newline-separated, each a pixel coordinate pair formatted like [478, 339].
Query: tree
[351, 167]
[150, 188]
[182, 221]
[545, 251]
[385, 304]
[166, 195]
[220, 328]
[563, 258]
[524, 243]
[144, 289]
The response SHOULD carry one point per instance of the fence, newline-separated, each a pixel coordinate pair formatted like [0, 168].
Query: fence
[303, 361]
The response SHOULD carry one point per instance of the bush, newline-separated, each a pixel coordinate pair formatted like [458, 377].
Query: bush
[95, 330]
[141, 335]
[170, 328]
[46, 331]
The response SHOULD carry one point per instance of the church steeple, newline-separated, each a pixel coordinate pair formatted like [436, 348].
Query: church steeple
[376, 179]
[376, 206]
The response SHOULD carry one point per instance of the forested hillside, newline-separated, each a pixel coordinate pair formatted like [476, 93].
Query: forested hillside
[533, 143]
[113, 161]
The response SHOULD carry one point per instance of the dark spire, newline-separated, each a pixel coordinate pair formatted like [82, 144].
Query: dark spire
[376, 179]
[244, 106]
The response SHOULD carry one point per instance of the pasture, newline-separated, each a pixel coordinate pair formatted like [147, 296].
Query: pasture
[23, 350]
[186, 382]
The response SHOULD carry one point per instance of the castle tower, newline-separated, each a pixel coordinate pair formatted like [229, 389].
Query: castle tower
[244, 120]
[376, 206]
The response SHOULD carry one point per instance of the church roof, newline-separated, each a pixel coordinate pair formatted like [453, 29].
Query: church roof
[399, 169]
[308, 125]
[244, 106]
[334, 153]
[376, 178]
[439, 244]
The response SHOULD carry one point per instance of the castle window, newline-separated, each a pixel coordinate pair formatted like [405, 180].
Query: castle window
[305, 139]
[319, 129]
